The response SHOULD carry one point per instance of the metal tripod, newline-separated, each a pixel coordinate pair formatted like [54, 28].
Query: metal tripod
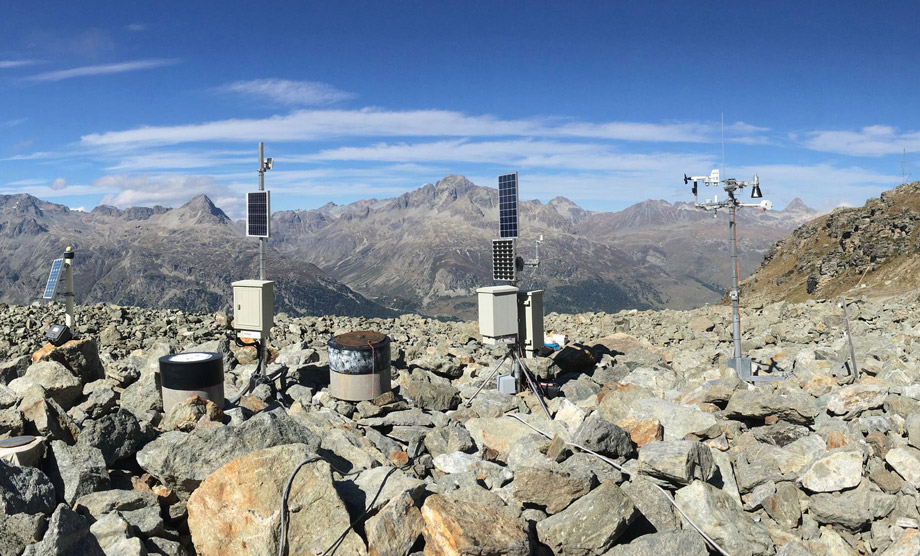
[522, 375]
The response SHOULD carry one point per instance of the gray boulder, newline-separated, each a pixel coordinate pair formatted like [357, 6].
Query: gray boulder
[552, 487]
[68, 533]
[716, 513]
[602, 436]
[96, 505]
[117, 435]
[853, 510]
[25, 490]
[591, 524]
[19, 531]
[58, 381]
[182, 460]
[674, 543]
[678, 461]
[790, 404]
[76, 470]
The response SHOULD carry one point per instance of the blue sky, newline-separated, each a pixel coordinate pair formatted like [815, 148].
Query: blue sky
[606, 103]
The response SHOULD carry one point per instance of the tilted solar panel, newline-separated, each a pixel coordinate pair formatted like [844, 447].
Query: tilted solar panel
[508, 205]
[53, 278]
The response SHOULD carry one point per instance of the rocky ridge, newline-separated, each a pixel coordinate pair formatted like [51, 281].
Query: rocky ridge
[872, 250]
[820, 463]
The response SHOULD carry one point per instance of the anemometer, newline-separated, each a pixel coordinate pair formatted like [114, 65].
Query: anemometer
[741, 365]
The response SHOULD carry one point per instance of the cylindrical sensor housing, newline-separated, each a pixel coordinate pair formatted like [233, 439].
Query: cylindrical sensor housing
[359, 365]
[184, 375]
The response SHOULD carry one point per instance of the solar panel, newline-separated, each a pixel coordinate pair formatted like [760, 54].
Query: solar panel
[503, 264]
[53, 278]
[258, 214]
[508, 205]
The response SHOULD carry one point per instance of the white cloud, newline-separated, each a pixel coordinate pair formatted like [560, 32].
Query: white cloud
[180, 160]
[523, 153]
[288, 93]
[310, 125]
[58, 184]
[136, 27]
[13, 123]
[168, 190]
[876, 140]
[104, 69]
[5, 64]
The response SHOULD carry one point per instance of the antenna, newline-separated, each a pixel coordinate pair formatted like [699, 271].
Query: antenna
[258, 217]
[742, 365]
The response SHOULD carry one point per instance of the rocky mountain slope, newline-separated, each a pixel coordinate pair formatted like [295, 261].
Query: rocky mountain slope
[182, 258]
[823, 462]
[429, 249]
[873, 250]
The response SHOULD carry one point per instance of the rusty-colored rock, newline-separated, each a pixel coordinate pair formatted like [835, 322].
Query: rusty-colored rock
[236, 510]
[454, 528]
[642, 431]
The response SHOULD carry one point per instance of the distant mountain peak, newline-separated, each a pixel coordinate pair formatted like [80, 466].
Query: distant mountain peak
[199, 210]
[798, 205]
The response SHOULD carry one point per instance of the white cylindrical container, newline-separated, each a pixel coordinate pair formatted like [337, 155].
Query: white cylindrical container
[359, 365]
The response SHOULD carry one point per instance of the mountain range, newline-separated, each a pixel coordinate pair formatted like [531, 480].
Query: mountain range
[425, 251]
[428, 250]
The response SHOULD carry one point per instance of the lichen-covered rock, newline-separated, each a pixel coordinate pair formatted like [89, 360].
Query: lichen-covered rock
[591, 524]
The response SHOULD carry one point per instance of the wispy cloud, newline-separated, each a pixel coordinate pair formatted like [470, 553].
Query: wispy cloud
[288, 93]
[523, 153]
[169, 190]
[103, 69]
[13, 123]
[5, 64]
[178, 160]
[136, 27]
[310, 125]
[876, 140]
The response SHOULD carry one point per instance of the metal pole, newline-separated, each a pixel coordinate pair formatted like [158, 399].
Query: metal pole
[736, 316]
[846, 322]
[261, 188]
[68, 287]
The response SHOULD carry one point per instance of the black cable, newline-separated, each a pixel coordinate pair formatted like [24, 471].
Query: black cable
[338, 541]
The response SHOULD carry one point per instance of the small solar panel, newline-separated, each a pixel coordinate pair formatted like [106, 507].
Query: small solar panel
[503, 264]
[53, 278]
[508, 205]
[258, 214]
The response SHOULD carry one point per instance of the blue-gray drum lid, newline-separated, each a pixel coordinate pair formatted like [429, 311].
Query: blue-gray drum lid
[16, 441]
[191, 371]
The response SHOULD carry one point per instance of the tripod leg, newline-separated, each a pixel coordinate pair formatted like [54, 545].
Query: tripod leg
[469, 402]
[534, 386]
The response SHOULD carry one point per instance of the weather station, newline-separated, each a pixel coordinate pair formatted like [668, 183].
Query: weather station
[509, 316]
[743, 366]
[254, 300]
[61, 270]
